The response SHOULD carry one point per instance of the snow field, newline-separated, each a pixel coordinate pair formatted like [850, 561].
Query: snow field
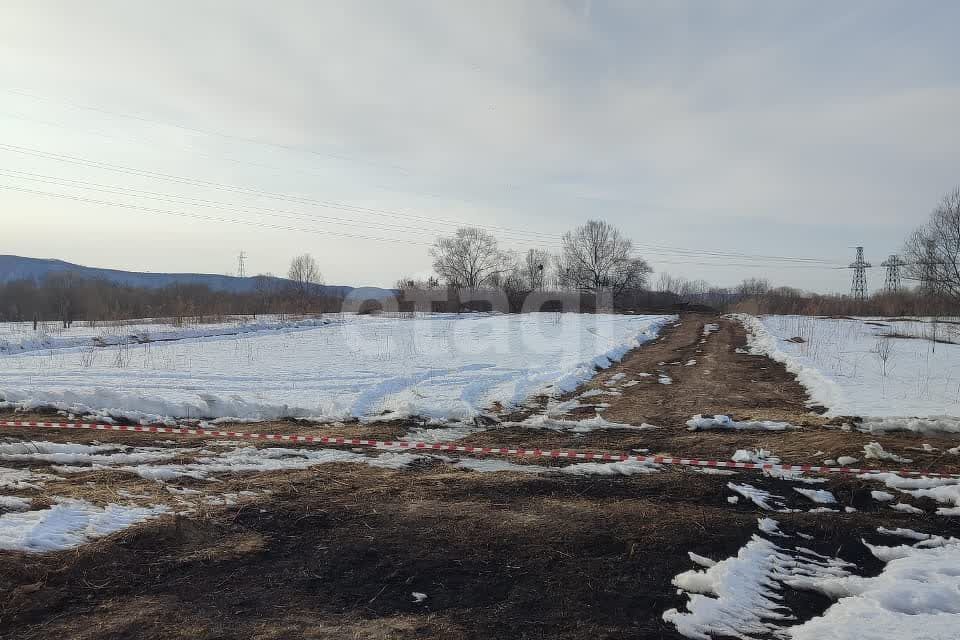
[20, 337]
[440, 366]
[852, 367]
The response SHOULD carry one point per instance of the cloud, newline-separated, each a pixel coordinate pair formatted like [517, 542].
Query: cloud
[547, 112]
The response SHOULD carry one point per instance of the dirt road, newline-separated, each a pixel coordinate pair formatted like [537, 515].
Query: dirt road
[339, 551]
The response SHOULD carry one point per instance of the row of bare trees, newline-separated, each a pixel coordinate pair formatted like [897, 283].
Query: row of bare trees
[593, 258]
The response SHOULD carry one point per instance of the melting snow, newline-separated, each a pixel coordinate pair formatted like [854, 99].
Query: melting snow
[740, 596]
[943, 490]
[67, 524]
[23, 479]
[874, 450]
[576, 426]
[916, 595]
[819, 496]
[761, 455]
[763, 499]
[14, 503]
[703, 423]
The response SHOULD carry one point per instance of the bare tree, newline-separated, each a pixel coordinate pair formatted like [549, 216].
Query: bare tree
[468, 259]
[305, 279]
[933, 251]
[668, 283]
[596, 255]
[536, 264]
[883, 349]
[753, 288]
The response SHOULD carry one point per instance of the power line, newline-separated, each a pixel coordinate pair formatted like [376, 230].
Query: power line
[650, 248]
[208, 132]
[128, 170]
[205, 203]
[183, 214]
[512, 234]
[181, 200]
[261, 224]
[522, 233]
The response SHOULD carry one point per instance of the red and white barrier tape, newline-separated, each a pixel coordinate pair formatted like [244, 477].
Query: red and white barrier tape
[459, 448]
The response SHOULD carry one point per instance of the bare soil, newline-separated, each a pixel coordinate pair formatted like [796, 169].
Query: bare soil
[337, 551]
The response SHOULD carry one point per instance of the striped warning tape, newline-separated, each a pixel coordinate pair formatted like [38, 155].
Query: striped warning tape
[468, 449]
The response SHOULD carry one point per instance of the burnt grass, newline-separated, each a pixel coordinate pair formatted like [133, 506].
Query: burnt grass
[337, 551]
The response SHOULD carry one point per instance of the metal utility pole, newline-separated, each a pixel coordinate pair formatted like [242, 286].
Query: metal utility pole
[241, 270]
[893, 264]
[859, 266]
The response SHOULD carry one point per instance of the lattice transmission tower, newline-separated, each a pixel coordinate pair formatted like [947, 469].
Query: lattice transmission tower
[241, 264]
[859, 266]
[893, 264]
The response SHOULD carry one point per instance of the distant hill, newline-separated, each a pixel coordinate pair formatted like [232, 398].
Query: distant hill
[20, 268]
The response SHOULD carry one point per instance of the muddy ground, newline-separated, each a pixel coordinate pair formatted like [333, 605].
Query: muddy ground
[337, 551]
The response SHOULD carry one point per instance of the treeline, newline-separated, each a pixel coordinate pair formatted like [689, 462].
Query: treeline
[786, 301]
[66, 297]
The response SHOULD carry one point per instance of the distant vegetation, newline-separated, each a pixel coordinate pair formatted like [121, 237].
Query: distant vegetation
[595, 268]
[68, 297]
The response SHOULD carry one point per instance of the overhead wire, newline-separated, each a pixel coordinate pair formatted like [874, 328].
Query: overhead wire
[506, 232]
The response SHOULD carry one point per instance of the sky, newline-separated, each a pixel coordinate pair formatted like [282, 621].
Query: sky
[722, 137]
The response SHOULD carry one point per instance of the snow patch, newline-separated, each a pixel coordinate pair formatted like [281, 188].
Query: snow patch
[702, 423]
[68, 524]
[875, 451]
[819, 496]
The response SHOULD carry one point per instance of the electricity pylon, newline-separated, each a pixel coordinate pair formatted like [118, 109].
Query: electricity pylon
[859, 266]
[893, 264]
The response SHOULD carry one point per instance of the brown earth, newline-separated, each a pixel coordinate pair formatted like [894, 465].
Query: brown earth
[337, 551]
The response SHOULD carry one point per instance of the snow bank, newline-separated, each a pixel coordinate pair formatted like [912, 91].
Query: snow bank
[67, 524]
[837, 361]
[440, 366]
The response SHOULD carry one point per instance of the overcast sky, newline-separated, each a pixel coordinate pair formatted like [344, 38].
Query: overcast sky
[792, 129]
